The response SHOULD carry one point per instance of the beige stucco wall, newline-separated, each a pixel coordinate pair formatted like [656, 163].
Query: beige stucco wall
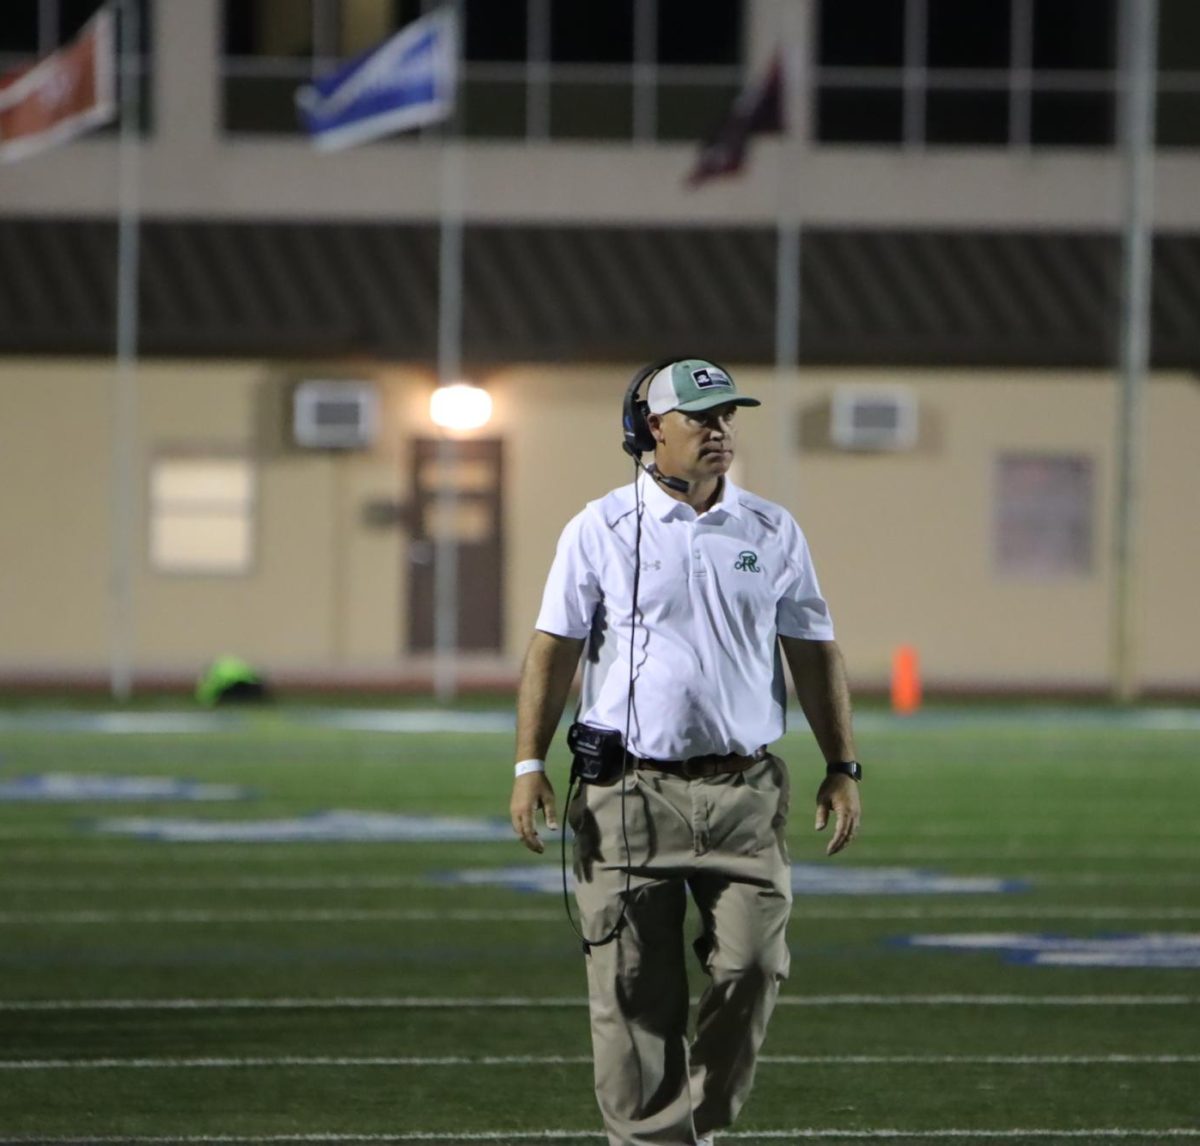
[323, 589]
[54, 513]
[903, 542]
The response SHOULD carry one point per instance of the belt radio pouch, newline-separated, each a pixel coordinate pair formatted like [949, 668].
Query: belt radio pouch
[597, 754]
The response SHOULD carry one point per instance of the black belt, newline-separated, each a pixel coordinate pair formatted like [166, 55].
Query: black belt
[698, 767]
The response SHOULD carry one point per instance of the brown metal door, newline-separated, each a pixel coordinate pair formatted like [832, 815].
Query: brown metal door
[478, 526]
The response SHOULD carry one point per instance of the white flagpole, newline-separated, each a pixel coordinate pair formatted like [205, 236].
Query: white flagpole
[787, 230]
[125, 393]
[449, 362]
[1140, 36]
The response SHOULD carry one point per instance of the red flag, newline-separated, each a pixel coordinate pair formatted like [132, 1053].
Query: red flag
[757, 111]
[62, 95]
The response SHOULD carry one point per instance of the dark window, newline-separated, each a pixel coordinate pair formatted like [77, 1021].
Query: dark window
[495, 30]
[590, 110]
[699, 31]
[862, 33]
[248, 30]
[19, 24]
[1178, 119]
[1179, 35]
[578, 102]
[239, 28]
[969, 35]
[493, 109]
[968, 116]
[596, 32]
[1072, 119]
[860, 115]
[691, 111]
[19, 27]
[406, 11]
[73, 14]
[1068, 36]
[1074, 34]
[264, 104]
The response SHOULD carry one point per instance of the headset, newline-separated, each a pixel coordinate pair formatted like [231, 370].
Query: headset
[637, 440]
[635, 411]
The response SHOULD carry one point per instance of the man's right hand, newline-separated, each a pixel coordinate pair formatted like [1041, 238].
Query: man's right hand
[531, 792]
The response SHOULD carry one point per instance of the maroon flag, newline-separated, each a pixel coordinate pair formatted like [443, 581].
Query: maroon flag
[60, 96]
[757, 111]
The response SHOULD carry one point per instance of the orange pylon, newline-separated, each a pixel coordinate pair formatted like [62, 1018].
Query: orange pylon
[906, 680]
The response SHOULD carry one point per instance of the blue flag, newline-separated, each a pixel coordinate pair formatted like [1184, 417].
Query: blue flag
[408, 81]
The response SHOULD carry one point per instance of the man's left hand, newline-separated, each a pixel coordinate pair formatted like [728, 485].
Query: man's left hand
[839, 794]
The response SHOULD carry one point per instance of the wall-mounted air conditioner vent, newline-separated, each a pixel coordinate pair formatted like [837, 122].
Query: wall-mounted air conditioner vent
[874, 418]
[335, 415]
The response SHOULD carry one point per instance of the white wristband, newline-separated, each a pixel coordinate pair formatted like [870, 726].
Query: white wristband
[524, 767]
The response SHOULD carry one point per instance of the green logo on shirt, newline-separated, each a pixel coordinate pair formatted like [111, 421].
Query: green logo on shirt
[747, 562]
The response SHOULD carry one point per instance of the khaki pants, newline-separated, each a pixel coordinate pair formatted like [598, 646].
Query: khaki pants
[722, 839]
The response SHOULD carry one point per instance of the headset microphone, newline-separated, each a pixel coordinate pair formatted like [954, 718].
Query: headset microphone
[677, 484]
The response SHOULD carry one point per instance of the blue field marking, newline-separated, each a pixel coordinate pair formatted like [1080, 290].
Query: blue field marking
[318, 827]
[59, 787]
[827, 879]
[410, 721]
[807, 879]
[1150, 949]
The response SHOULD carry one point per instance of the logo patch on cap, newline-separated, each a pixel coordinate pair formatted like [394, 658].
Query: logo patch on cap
[706, 378]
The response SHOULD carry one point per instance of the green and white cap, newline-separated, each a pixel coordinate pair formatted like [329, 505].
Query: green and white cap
[691, 385]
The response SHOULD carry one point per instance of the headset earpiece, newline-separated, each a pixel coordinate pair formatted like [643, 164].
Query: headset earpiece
[635, 412]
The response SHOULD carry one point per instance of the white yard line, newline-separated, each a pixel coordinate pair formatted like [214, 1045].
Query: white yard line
[1017, 852]
[255, 915]
[546, 915]
[106, 851]
[418, 1002]
[1050, 878]
[1045, 878]
[987, 831]
[136, 853]
[999, 911]
[1156, 1134]
[930, 840]
[247, 1063]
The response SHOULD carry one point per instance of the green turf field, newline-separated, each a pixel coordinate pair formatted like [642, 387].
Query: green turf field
[339, 992]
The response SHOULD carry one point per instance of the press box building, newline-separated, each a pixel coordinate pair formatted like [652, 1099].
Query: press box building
[954, 174]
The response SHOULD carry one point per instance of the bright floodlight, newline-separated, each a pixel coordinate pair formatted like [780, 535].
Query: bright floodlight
[460, 406]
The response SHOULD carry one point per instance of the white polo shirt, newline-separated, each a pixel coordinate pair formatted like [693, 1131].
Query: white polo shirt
[715, 591]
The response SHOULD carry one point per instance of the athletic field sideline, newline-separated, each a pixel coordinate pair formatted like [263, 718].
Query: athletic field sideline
[302, 925]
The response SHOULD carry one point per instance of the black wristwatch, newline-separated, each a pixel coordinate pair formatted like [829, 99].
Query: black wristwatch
[851, 768]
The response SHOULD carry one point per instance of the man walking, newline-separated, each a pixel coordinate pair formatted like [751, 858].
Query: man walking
[683, 588]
